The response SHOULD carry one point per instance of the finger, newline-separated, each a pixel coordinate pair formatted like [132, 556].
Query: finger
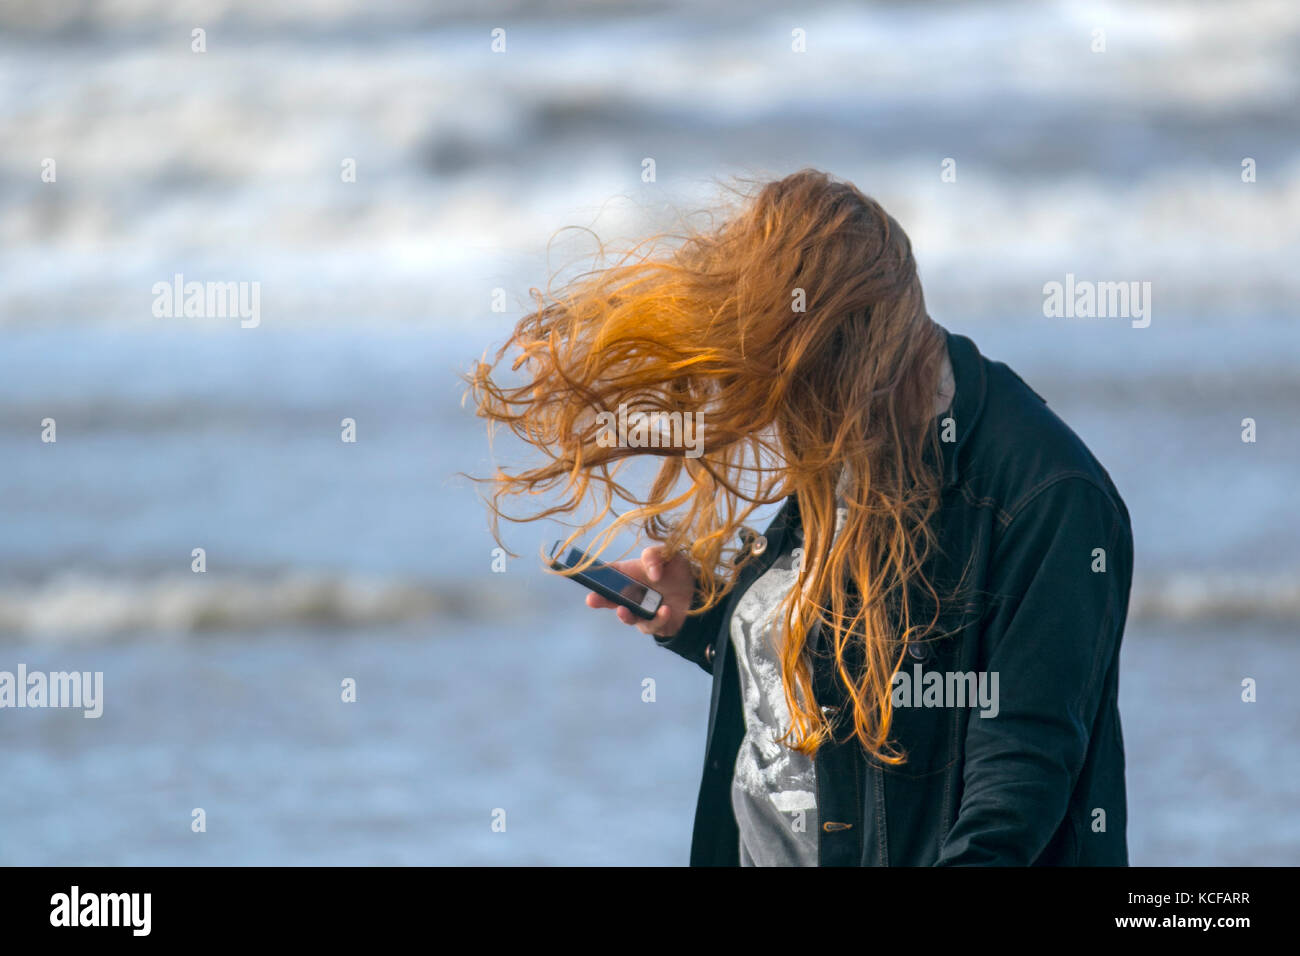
[596, 600]
[658, 622]
[653, 560]
[626, 616]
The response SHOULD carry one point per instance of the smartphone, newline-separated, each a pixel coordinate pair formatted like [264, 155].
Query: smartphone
[609, 583]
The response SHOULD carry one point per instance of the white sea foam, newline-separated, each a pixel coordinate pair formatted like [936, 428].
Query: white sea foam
[467, 163]
[83, 607]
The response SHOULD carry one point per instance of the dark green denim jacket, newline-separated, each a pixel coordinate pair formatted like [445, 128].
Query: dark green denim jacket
[1046, 545]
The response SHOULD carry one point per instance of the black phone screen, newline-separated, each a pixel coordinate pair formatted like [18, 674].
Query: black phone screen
[604, 575]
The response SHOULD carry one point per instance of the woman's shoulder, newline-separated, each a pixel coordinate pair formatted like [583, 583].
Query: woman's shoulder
[1019, 446]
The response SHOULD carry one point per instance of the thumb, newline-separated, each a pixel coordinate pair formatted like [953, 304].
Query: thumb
[653, 560]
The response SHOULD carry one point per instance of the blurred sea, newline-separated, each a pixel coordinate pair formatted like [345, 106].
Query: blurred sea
[372, 560]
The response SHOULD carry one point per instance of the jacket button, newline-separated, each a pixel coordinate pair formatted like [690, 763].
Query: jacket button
[917, 652]
[829, 710]
[708, 653]
[758, 545]
[830, 826]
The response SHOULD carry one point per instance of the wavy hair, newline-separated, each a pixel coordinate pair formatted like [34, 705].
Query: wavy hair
[796, 332]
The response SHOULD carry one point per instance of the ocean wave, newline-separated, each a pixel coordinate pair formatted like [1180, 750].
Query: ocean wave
[469, 157]
[80, 606]
[86, 608]
[1213, 596]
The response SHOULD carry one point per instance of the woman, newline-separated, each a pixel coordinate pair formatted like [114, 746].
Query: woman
[917, 662]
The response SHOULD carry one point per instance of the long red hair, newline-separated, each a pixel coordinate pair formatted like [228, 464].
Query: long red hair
[797, 333]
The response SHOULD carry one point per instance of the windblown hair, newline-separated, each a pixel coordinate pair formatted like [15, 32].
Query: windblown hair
[798, 332]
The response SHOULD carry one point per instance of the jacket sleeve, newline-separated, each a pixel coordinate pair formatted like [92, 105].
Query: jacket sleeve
[694, 639]
[1053, 633]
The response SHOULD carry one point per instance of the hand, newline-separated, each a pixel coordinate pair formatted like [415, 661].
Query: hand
[670, 576]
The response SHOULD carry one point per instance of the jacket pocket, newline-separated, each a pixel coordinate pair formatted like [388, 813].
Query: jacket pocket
[926, 715]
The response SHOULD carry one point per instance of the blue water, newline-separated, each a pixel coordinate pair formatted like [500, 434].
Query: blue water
[455, 721]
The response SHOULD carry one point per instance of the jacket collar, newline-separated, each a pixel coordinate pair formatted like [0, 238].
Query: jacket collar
[967, 405]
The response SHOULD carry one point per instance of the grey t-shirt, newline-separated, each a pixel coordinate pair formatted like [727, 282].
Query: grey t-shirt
[774, 788]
